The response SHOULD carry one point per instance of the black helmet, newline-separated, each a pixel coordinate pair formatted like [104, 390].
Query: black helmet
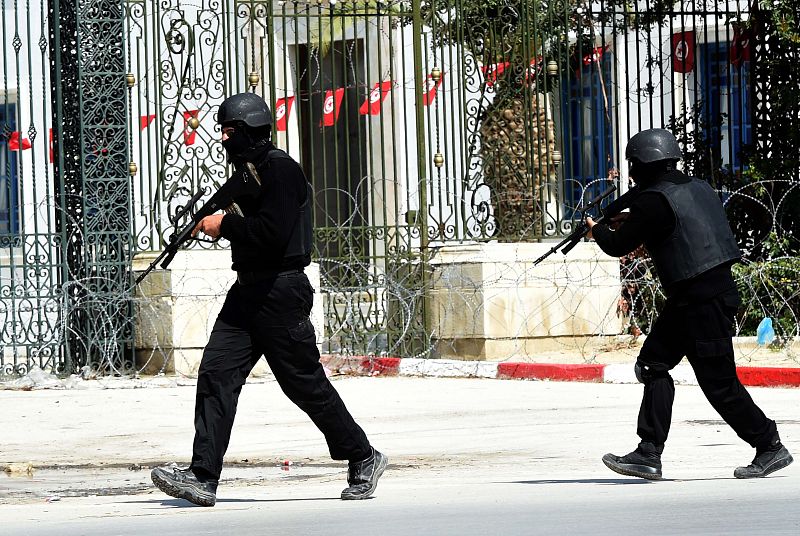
[653, 145]
[248, 108]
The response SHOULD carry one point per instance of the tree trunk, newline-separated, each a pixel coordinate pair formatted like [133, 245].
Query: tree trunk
[517, 144]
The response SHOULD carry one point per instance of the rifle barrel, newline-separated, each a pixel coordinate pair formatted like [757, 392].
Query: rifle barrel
[597, 200]
[151, 267]
[580, 231]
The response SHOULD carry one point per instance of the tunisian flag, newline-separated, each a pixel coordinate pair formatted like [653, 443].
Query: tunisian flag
[283, 107]
[145, 120]
[741, 45]
[17, 142]
[595, 56]
[431, 86]
[683, 52]
[330, 107]
[372, 105]
[493, 71]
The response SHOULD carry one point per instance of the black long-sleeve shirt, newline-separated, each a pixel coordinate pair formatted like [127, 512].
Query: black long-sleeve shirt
[259, 238]
[651, 219]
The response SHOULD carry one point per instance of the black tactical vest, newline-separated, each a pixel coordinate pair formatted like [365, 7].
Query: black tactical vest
[702, 238]
[301, 239]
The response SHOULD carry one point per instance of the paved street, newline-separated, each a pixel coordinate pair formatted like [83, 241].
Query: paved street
[467, 456]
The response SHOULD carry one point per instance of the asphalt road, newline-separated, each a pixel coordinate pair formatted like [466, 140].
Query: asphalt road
[466, 457]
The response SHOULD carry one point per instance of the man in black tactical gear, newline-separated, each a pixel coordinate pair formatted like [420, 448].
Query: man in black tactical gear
[266, 312]
[682, 223]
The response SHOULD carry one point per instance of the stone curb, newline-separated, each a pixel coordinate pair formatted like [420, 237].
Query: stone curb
[445, 368]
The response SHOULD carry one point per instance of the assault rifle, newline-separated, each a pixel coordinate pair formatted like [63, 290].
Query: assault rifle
[606, 213]
[244, 182]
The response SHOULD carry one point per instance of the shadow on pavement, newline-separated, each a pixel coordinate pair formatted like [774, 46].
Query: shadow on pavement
[607, 481]
[613, 481]
[709, 479]
[181, 503]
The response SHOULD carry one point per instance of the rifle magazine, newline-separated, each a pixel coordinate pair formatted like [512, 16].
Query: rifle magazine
[233, 208]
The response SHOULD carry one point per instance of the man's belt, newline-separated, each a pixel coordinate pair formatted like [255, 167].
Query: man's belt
[251, 278]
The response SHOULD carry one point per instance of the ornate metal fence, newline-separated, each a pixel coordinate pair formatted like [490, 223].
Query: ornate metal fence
[383, 107]
[65, 229]
[421, 123]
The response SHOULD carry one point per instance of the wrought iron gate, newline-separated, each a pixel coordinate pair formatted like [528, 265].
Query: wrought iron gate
[65, 237]
[342, 105]
[421, 123]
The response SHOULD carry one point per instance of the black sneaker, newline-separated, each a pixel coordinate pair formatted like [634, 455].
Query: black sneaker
[765, 463]
[363, 476]
[183, 484]
[644, 462]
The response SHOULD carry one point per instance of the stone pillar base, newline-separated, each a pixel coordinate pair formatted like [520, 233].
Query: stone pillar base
[176, 309]
[489, 302]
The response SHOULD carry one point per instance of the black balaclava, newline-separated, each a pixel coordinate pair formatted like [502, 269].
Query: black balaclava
[238, 143]
[646, 174]
[243, 140]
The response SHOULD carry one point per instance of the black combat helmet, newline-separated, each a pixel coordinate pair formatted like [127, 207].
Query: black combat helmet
[653, 145]
[248, 108]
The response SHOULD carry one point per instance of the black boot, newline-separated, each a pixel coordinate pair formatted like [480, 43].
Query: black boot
[768, 460]
[644, 462]
[184, 484]
[363, 476]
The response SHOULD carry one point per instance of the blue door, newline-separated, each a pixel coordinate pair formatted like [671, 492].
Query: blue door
[586, 129]
[726, 95]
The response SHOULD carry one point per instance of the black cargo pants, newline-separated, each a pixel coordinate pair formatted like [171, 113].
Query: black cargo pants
[702, 332]
[269, 318]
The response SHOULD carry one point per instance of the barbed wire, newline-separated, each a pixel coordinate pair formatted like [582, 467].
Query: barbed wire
[579, 307]
[377, 296]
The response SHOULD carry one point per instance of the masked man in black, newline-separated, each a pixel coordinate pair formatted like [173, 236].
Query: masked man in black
[266, 312]
[682, 223]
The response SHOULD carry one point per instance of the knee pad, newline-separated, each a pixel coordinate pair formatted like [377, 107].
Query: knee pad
[637, 369]
[645, 373]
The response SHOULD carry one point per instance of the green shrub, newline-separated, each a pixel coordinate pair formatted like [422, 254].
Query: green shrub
[770, 288]
[641, 298]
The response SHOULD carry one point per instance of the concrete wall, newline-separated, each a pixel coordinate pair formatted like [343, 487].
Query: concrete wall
[489, 301]
[176, 309]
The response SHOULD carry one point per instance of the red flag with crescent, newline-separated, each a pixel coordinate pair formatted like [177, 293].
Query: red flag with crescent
[330, 107]
[17, 142]
[372, 104]
[683, 44]
[145, 120]
[283, 108]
